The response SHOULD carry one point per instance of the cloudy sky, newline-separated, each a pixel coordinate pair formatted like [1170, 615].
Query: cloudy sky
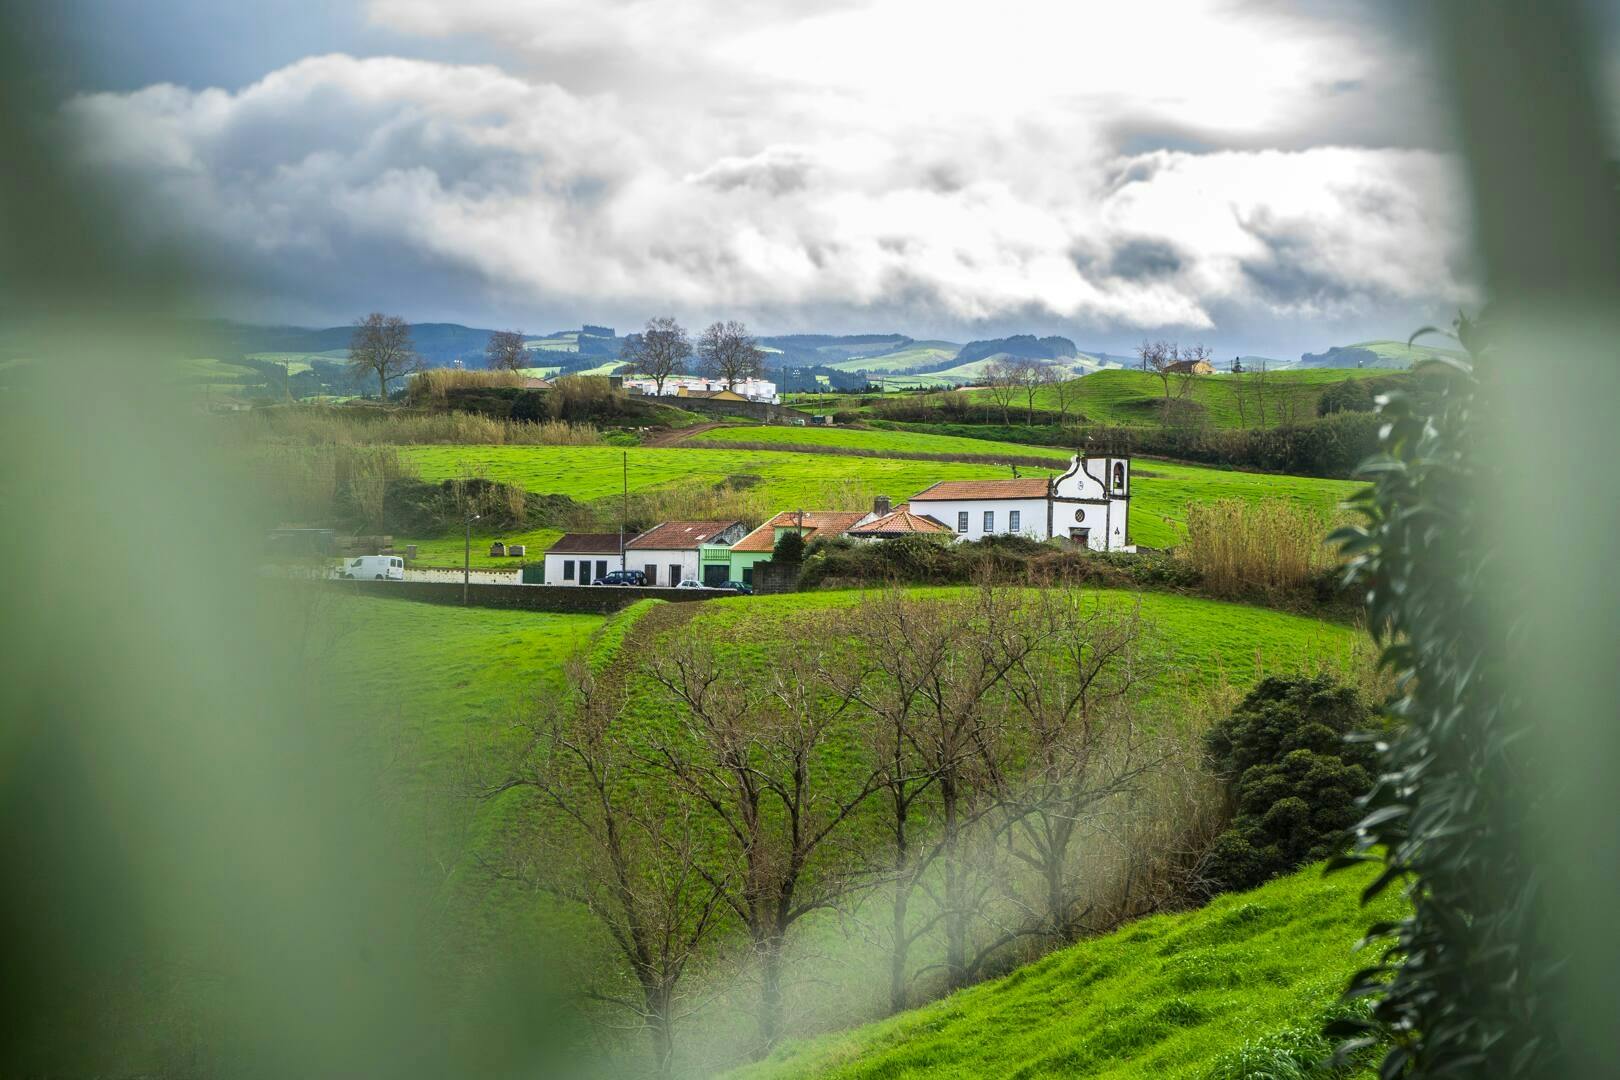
[1262, 176]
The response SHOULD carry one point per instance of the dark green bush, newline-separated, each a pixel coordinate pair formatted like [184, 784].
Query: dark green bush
[1352, 395]
[789, 548]
[1292, 776]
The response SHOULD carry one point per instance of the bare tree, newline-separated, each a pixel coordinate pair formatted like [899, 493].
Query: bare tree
[632, 864]
[658, 352]
[505, 351]
[381, 346]
[1076, 705]
[1062, 387]
[1032, 376]
[1002, 378]
[726, 351]
[755, 760]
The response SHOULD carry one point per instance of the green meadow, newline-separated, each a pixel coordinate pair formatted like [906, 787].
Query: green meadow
[1237, 990]
[1161, 491]
[1126, 397]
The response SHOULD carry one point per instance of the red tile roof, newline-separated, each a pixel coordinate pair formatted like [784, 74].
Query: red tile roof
[587, 544]
[899, 523]
[1028, 488]
[680, 535]
[816, 522]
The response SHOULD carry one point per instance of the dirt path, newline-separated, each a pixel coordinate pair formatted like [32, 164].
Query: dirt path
[662, 617]
[670, 438]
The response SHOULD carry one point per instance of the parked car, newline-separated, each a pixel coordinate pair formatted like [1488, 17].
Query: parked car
[622, 577]
[740, 586]
[690, 583]
[376, 567]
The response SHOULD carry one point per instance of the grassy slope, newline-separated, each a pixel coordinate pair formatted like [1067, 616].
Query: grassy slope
[917, 354]
[872, 439]
[1202, 639]
[1159, 500]
[1125, 397]
[433, 677]
[1234, 990]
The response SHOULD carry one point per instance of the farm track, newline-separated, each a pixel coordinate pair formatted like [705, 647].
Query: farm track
[659, 618]
[680, 435]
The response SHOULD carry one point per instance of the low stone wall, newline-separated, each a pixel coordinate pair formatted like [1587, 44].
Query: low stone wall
[511, 575]
[771, 577]
[569, 599]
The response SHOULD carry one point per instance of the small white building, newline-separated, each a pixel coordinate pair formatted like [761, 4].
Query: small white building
[581, 558]
[671, 552]
[1089, 505]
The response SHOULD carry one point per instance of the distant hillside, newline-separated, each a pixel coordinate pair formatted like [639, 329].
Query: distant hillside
[1375, 354]
[1026, 346]
[1240, 988]
[812, 350]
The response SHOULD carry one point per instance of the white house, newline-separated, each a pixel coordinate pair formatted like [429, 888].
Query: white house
[1088, 505]
[581, 558]
[974, 509]
[671, 552]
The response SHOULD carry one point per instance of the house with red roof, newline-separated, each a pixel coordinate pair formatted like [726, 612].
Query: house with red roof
[1088, 505]
[677, 551]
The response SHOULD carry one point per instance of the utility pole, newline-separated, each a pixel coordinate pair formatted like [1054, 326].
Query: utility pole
[466, 561]
[624, 504]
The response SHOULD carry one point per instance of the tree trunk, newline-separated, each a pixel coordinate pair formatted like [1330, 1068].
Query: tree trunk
[900, 957]
[382, 386]
[955, 918]
[661, 1032]
[770, 990]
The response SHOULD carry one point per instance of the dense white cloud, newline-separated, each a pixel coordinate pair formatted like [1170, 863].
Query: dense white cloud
[891, 164]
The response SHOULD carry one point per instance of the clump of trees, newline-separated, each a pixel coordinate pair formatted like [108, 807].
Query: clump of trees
[1293, 775]
[717, 793]
[727, 352]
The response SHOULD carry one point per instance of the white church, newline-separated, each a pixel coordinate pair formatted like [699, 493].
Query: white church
[1089, 505]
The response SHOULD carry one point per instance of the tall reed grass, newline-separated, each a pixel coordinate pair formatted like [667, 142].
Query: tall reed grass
[1242, 547]
[324, 425]
[431, 386]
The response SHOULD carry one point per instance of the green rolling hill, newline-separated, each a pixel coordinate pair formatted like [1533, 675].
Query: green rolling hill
[1238, 990]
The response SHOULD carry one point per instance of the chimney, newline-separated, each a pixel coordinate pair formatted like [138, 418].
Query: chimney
[880, 506]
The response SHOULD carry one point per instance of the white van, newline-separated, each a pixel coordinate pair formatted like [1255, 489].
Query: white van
[376, 567]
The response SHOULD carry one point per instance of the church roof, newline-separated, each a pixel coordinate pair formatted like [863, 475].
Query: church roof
[951, 490]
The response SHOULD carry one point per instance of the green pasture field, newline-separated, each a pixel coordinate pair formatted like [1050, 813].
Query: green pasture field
[1126, 397]
[1236, 990]
[428, 681]
[873, 439]
[205, 370]
[1160, 492]
[450, 550]
[916, 355]
[435, 681]
[586, 473]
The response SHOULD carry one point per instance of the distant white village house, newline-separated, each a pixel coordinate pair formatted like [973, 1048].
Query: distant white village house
[698, 386]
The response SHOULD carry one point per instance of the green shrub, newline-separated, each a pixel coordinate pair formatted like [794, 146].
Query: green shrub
[1352, 395]
[1292, 776]
[789, 548]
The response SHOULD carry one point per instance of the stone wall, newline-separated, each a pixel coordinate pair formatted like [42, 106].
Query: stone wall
[571, 599]
[774, 577]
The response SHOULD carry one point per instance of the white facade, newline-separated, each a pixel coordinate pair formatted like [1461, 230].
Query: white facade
[1091, 503]
[595, 564]
[974, 519]
[752, 389]
[661, 565]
